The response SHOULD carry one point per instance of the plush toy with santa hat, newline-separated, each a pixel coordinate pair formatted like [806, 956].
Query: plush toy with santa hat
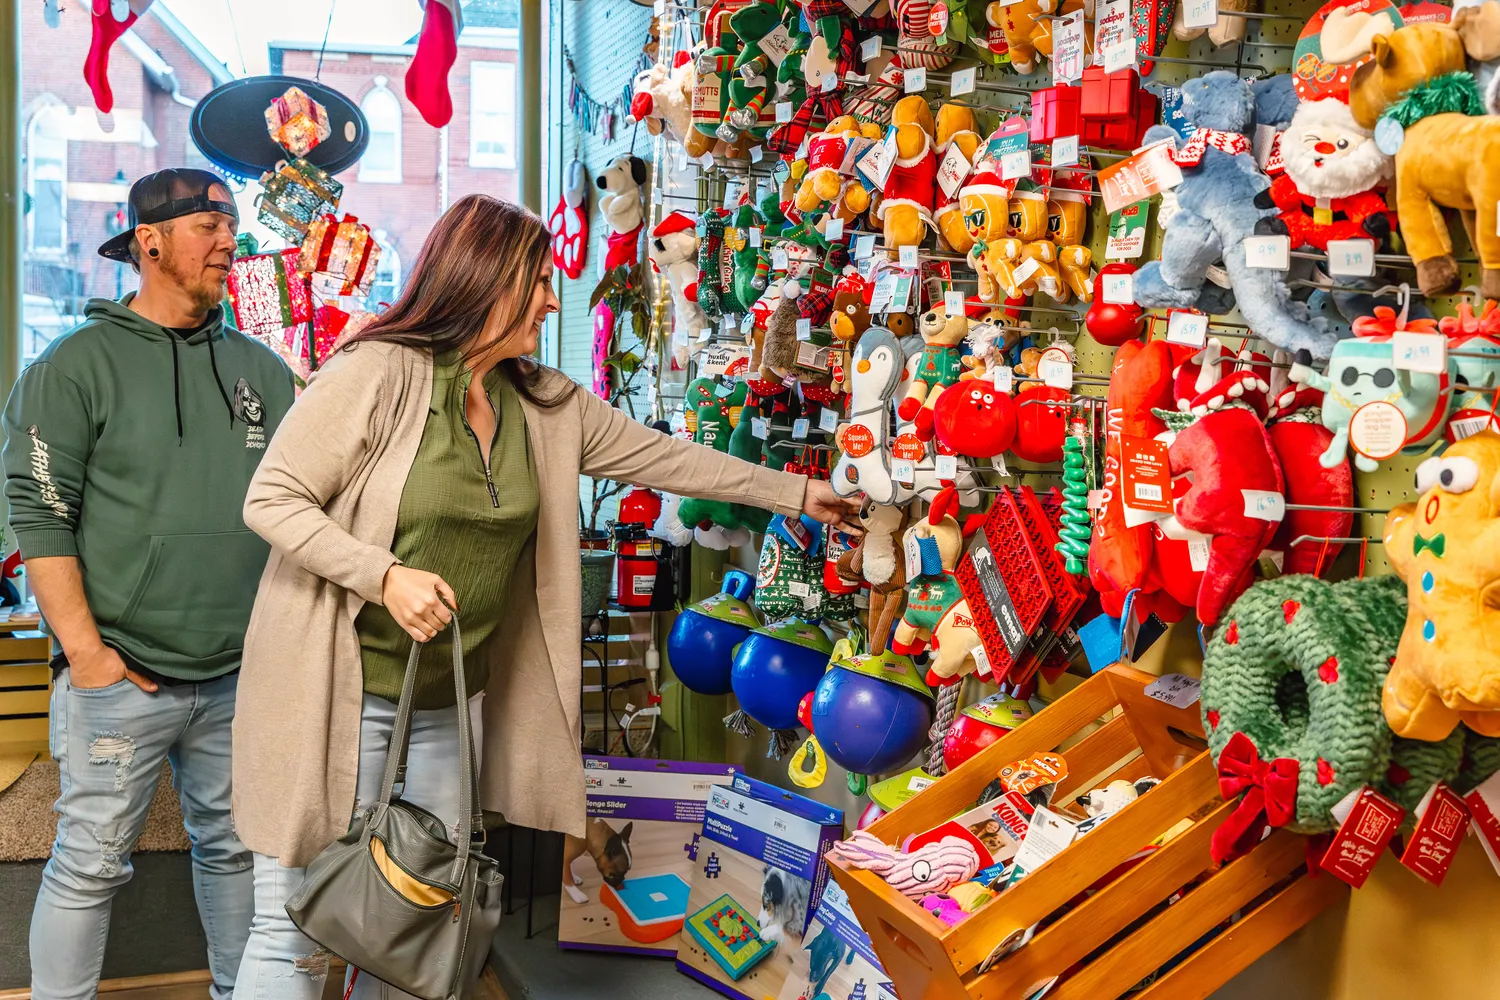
[674, 252]
[910, 189]
[1329, 178]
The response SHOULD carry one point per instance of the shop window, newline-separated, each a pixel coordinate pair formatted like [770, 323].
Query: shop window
[381, 163]
[47, 181]
[387, 286]
[492, 115]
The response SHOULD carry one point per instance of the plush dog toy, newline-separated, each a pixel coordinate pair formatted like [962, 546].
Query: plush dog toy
[674, 252]
[1447, 667]
[663, 100]
[1216, 212]
[910, 191]
[934, 867]
[932, 592]
[623, 183]
[1478, 24]
[1417, 80]
[956, 126]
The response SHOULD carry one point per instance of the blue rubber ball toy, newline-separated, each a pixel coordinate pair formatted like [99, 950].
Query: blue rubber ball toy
[776, 668]
[871, 714]
[702, 642]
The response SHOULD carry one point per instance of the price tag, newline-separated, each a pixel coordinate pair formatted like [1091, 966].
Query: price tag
[705, 335]
[659, 7]
[1351, 257]
[682, 161]
[760, 427]
[915, 80]
[1065, 151]
[804, 329]
[953, 303]
[754, 236]
[726, 323]
[864, 246]
[870, 47]
[778, 259]
[908, 256]
[1177, 690]
[1187, 328]
[963, 81]
[1028, 267]
[830, 82]
[1120, 56]
[1200, 13]
[706, 161]
[783, 111]
[1366, 830]
[953, 170]
[797, 588]
[1271, 253]
[1264, 505]
[1420, 352]
[833, 229]
[1057, 374]
[1003, 378]
[904, 470]
[946, 466]
[1117, 289]
[776, 44]
[656, 196]
[828, 420]
[1442, 820]
[800, 427]
[1015, 165]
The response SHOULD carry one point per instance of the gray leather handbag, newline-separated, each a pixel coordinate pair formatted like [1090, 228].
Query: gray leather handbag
[395, 897]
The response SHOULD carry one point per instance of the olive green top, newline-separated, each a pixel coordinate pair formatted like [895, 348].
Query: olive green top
[463, 523]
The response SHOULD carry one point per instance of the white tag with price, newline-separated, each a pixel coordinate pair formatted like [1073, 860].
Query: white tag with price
[778, 259]
[1271, 253]
[756, 155]
[1015, 165]
[800, 427]
[1065, 151]
[915, 80]
[1355, 258]
[864, 246]
[1028, 267]
[903, 471]
[784, 111]
[804, 329]
[1420, 352]
[908, 256]
[945, 467]
[1187, 328]
[953, 303]
[1200, 13]
[1264, 505]
[1003, 378]
[1121, 56]
[1177, 690]
[828, 420]
[755, 236]
[1057, 374]
[833, 229]
[1117, 289]
[705, 335]
[760, 427]
[963, 81]
[870, 48]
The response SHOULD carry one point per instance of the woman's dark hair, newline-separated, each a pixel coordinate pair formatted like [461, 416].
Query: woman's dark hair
[482, 251]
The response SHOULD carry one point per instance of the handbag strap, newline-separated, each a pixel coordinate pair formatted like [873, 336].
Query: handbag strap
[470, 817]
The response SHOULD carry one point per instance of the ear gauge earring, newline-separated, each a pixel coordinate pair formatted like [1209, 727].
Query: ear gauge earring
[153, 252]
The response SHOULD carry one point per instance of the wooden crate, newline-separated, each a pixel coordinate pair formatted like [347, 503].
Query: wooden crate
[25, 690]
[1132, 735]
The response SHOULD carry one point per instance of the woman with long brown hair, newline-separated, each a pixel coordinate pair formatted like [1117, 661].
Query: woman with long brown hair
[432, 467]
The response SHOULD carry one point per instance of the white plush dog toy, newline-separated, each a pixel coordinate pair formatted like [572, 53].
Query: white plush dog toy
[622, 201]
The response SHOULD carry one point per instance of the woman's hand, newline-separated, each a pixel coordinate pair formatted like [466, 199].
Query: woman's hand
[822, 504]
[418, 601]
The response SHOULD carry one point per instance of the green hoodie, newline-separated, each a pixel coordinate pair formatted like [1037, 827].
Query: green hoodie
[131, 448]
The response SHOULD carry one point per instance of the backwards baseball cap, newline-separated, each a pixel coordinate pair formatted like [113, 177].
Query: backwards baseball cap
[165, 195]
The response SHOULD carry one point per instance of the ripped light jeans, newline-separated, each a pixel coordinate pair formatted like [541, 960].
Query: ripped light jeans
[109, 744]
[280, 962]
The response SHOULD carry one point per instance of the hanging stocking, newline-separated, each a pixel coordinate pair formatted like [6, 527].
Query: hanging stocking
[437, 47]
[107, 28]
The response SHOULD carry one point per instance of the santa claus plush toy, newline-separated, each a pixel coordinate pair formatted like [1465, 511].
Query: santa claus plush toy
[1329, 178]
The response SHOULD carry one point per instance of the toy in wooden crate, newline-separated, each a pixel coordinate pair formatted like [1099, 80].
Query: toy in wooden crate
[1055, 112]
[296, 122]
[267, 294]
[295, 194]
[340, 254]
[1115, 109]
[1108, 911]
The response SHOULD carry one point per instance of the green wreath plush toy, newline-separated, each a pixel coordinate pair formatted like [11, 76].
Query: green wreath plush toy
[1291, 700]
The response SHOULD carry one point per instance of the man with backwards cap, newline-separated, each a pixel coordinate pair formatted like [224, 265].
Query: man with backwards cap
[129, 445]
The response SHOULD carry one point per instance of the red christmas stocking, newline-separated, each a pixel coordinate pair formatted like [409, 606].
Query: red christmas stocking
[106, 31]
[437, 47]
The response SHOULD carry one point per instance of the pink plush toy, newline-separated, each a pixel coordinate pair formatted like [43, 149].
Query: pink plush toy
[934, 867]
[945, 908]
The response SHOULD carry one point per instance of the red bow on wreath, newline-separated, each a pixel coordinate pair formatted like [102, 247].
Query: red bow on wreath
[1270, 789]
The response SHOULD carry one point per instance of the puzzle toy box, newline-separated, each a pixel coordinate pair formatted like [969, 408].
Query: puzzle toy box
[837, 961]
[756, 881]
[625, 886]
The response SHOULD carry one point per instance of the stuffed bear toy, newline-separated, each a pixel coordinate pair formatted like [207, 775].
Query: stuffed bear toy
[623, 183]
[1216, 212]
[674, 252]
[910, 189]
[663, 100]
[1449, 147]
[1329, 178]
[1478, 25]
[937, 368]
[1027, 26]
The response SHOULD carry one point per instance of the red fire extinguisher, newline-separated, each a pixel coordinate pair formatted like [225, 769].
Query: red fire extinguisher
[635, 551]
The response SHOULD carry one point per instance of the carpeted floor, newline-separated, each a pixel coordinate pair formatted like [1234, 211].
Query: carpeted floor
[28, 824]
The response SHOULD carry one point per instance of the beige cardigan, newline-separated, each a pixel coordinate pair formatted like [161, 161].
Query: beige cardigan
[325, 497]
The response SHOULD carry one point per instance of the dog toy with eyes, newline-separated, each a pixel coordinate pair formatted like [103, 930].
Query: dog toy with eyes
[1446, 547]
[934, 867]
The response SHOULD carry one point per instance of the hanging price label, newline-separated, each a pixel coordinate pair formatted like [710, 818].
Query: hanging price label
[1200, 13]
[870, 47]
[1187, 328]
[1355, 258]
[945, 467]
[800, 427]
[1065, 151]
[1057, 374]
[1120, 56]
[778, 259]
[1271, 253]
[1420, 352]
[760, 427]
[915, 80]
[1117, 289]
[908, 256]
[903, 470]
[828, 420]
[804, 329]
[833, 229]
[1264, 505]
[953, 303]
[756, 155]
[864, 246]
[1014, 166]
[963, 81]
[1177, 690]
[754, 236]
[784, 111]
[1003, 378]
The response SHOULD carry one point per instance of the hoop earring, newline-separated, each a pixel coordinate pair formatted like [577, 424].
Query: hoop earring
[153, 252]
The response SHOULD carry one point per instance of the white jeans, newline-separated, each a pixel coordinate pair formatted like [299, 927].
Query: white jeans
[280, 963]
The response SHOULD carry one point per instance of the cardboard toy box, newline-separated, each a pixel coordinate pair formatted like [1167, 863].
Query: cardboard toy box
[757, 880]
[837, 961]
[628, 890]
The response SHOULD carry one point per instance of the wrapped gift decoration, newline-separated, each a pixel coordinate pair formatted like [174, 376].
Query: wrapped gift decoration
[341, 256]
[296, 193]
[296, 122]
[267, 294]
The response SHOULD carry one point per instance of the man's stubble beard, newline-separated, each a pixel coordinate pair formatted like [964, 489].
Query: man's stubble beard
[205, 287]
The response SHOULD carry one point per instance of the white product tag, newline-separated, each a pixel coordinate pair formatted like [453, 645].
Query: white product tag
[682, 161]
[1057, 374]
[778, 259]
[877, 163]
[870, 47]
[830, 82]
[784, 111]
[706, 161]
[908, 256]
[953, 303]
[945, 467]
[755, 236]
[981, 661]
[1217, 275]
[756, 155]
[659, 7]
[1015, 165]
[833, 229]
[1003, 378]
[915, 80]
[828, 420]
[1187, 328]
[1199, 549]
[1420, 352]
[1047, 837]
[903, 471]
[760, 427]
[804, 329]
[656, 196]
[1261, 142]
[811, 601]
[1117, 289]
[963, 81]
[1200, 13]
[913, 552]
[797, 588]
[1027, 268]
[1065, 151]
[777, 44]
[1264, 505]
[1271, 253]
[953, 170]
[799, 429]
[705, 335]
[1355, 258]
[1120, 56]
[1177, 690]
[864, 246]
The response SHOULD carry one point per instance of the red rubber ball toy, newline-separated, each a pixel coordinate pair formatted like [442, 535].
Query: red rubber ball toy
[1113, 323]
[1041, 423]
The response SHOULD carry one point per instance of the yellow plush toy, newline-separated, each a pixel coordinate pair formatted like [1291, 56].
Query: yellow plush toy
[956, 126]
[910, 190]
[984, 202]
[1446, 547]
[823, 185]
